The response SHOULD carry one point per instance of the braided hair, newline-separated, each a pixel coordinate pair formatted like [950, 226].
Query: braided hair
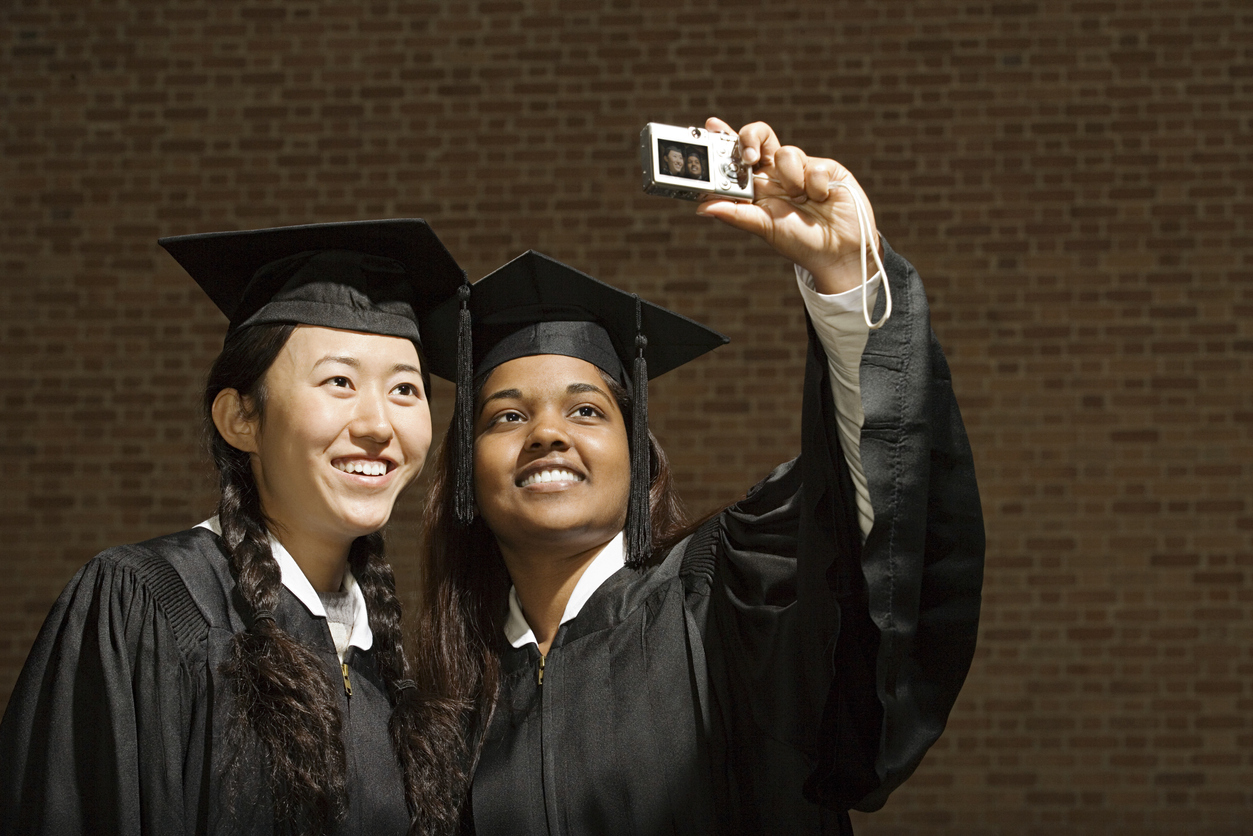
[284, 697]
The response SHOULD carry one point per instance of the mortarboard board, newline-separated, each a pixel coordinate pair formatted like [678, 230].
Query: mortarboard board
[537, 305]
[378, 277]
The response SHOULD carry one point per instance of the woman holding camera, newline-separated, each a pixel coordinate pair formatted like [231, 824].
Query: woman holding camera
[614, 670]
[247, 676]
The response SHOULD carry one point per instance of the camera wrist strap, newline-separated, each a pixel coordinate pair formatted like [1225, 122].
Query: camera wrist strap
[863, 227]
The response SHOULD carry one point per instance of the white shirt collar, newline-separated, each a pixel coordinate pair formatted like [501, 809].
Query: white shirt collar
[611, 558]
[297, 584]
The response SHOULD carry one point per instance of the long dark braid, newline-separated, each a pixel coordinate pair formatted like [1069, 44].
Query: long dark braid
[412, 734]
[283, 695]
[285, 699]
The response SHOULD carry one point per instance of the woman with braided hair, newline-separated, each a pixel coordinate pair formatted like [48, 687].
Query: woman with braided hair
[247, 676]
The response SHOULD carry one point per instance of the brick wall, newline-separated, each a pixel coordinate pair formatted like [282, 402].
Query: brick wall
[1072, 179]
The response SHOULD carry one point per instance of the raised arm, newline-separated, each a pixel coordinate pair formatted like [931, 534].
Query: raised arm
[807, 208]
[903, 611]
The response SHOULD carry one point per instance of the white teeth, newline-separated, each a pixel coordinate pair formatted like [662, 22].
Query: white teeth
[550, 476]
[363, 467]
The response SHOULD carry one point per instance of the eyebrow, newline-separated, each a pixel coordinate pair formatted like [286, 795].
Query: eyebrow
[503, 394]
[580, 388]
[347, 361]
[353, 362]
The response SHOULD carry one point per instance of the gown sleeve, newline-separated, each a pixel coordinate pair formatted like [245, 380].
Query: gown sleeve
[95, 736]
[923, 560]
[834, 664]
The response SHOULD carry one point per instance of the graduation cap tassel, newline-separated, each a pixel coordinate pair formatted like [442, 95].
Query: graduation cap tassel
[463, 417]
[639, 518]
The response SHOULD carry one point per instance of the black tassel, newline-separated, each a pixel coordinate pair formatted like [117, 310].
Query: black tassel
[639, 519]
[463, 414]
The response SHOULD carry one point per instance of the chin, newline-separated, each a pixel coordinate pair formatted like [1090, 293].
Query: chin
[560, 528]
[359, 525]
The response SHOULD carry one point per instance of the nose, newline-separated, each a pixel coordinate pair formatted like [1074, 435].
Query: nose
[370, 419]
[548, 433]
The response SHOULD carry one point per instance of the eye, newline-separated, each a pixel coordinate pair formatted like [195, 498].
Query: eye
[586, 411]
[407, 390]
[340, 382]
[504, 416]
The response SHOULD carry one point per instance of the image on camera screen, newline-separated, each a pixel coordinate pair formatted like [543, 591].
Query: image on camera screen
[680, 159]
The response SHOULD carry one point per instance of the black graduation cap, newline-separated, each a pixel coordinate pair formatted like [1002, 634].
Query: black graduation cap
[537, 305]
[378, 277]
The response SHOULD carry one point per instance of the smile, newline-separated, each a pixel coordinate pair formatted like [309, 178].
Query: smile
[555, 475]
[361, 466]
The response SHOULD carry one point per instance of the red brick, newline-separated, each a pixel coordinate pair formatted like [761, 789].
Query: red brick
[1071, 179]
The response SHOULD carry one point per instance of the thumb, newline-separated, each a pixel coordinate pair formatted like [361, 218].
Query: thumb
[746, 216]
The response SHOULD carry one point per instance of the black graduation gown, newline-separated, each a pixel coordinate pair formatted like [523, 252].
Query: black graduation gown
[771, 673]
[117, 724]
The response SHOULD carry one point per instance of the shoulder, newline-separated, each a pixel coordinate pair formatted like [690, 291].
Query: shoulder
[693, 558]
[767, 518]
[154, 574]
[156, 557]
[158, 565]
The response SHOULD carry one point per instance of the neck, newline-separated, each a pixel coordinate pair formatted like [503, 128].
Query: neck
[322, 562]
[544, 585]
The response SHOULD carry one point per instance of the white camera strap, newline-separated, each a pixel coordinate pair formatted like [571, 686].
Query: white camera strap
[863, 229]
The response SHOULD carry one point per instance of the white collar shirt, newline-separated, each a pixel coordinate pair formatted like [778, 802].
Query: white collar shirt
[611, 558]
[297, 584]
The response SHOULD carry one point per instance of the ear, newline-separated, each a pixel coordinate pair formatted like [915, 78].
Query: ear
[234, 421]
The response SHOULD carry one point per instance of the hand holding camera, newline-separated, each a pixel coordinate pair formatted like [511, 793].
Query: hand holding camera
[805, 207]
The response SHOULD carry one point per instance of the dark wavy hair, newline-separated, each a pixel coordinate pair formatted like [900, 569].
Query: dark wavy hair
[464, 608]
[284, 697]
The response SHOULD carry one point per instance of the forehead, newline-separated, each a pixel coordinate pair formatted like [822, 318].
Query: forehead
[541, 372]
[310, 343]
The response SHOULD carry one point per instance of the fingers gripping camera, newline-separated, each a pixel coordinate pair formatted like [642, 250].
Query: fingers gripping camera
[693, 163]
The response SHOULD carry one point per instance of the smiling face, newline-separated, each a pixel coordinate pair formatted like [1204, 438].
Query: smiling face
[346, 428]
[674, 162]
[552, 465]
[694, 168]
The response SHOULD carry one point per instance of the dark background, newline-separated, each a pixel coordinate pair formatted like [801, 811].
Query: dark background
[1072, 179]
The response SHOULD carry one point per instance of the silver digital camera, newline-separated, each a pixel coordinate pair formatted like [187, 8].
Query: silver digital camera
[693, 163]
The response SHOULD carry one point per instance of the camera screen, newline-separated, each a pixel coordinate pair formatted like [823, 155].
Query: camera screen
[681, 159]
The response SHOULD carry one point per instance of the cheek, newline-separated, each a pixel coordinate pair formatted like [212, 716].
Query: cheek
[301, 429]
[310, 413]
[282, 438]
[616, 454]
[490, 457]
[491, 482]
[415, 433]
[624, 475]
